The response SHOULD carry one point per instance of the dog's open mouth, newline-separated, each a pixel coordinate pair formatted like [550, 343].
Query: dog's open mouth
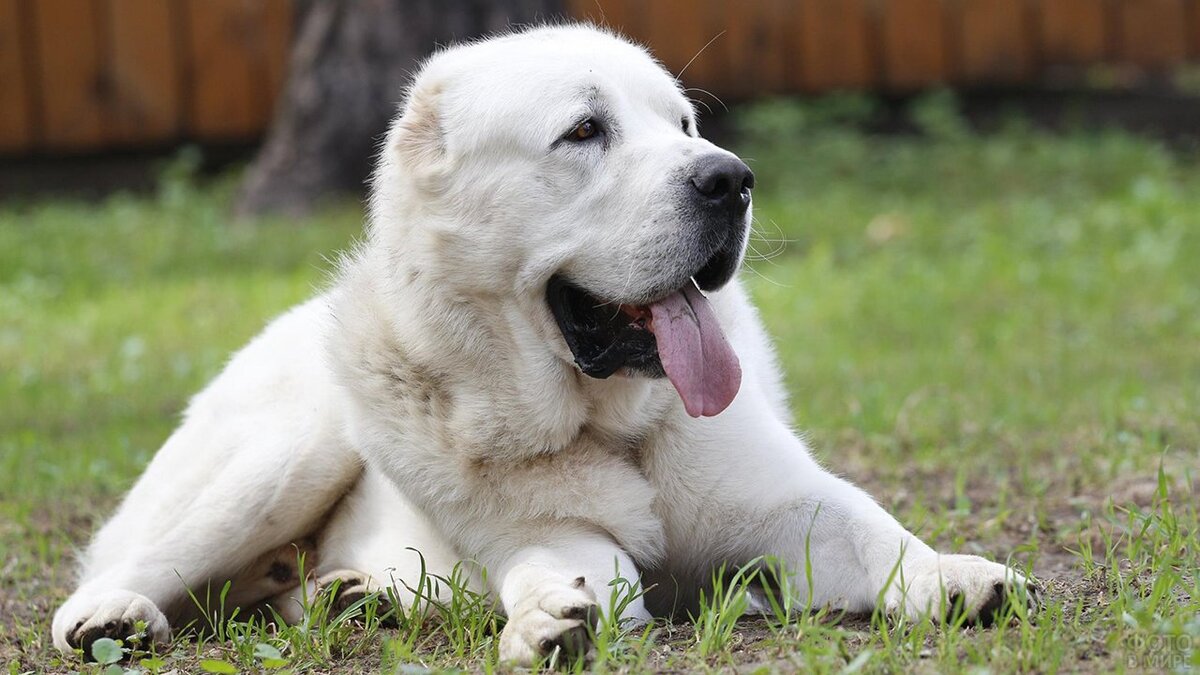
[677, 336]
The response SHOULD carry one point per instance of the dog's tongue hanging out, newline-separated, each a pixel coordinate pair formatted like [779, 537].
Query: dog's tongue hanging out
[694, 353]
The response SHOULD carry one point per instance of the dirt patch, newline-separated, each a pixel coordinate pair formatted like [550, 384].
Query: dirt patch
[1045, 529]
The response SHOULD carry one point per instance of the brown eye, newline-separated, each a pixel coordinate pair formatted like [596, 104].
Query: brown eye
[586, 129]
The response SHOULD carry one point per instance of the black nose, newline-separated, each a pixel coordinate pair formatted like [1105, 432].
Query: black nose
[723, 181]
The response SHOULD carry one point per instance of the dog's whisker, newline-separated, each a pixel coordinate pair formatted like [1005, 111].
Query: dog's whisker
[693, 59]
[765, 278]
[708, 93]
[696, 101]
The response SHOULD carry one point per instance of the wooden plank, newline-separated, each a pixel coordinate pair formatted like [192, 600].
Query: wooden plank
[624, 16]
[144, 70]
[1153, 33]
[584, 10]
[16, 113]
[790, 49]
[750, 56]
[1193, 28]
[73, 90]
[994, 45]
[1072, 32]
[226, 68]
[278, 27]
[914, 43]
[680, 30]
[770, 65]
[734, 49]
[611, 13]
[835, 52]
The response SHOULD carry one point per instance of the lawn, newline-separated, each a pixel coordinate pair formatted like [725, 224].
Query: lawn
[998, 334]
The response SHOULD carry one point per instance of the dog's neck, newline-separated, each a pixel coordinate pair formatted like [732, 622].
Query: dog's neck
[429, 358]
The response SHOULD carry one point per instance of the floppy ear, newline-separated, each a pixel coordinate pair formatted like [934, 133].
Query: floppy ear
[417, 135]
[416, 141]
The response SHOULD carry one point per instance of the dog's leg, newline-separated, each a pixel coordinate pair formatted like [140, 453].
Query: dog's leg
[558, 573]
[551, 532]
[376, 541]
[145, 560]
[257, 463]
[770, 498]
[555, 593]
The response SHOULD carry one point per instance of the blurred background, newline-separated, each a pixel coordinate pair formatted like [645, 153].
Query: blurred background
[107, 78]
[976, 242]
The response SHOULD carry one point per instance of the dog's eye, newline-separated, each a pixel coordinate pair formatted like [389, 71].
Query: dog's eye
[687, 127]
[586, 129]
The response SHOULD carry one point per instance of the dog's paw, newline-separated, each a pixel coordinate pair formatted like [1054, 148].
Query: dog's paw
[967, 587]
[335, 592]
[556, 620]
[348, 587]
[111, 614]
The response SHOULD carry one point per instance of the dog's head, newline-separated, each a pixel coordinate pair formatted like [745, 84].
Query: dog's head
[561, 169]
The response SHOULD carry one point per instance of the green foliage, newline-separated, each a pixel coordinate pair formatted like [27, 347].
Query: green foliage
[217, 666]
[721, 606]
[106, 651]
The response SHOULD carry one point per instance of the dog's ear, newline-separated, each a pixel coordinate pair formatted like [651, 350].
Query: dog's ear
[417, 138]
[418, 133]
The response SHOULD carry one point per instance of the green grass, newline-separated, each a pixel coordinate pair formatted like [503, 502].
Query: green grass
[998, 335]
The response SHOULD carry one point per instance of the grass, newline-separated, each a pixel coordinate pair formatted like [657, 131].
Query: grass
[997, 334]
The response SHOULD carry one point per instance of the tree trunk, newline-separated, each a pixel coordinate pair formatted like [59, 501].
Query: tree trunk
[349, 64]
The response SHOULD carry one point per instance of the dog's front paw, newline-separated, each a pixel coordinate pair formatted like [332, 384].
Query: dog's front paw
[555, 617]
[86, 618]
[951, 587]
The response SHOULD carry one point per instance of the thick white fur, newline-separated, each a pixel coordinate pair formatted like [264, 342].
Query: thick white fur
[429, 401]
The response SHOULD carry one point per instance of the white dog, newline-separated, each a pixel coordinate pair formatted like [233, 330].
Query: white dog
[540, 360]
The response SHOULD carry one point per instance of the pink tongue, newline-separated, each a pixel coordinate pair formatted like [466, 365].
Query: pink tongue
[693, 351]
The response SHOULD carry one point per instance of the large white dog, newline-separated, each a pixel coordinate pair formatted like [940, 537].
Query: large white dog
[540, 360]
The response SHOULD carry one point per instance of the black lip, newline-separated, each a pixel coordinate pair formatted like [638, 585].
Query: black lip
[720, 268]
[720, 249]
[602, 338]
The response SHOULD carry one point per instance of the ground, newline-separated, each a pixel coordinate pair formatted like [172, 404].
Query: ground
[997, 334]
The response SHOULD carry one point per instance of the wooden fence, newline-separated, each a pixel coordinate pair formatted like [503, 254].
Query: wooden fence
[82, 75]
[899, 45]
[85, 75]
